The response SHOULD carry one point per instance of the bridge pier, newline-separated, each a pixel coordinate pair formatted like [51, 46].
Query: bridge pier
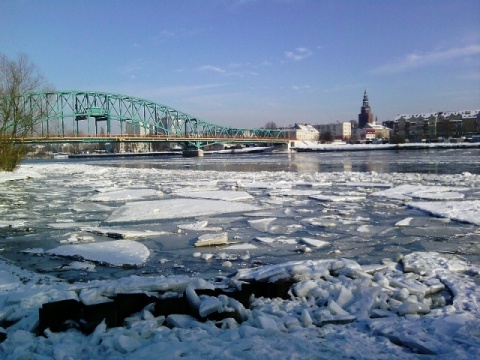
[192, 153]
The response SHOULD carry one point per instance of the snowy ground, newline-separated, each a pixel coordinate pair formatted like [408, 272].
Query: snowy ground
[128, 230]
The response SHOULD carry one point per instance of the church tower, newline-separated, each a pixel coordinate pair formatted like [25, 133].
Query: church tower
[366, 116]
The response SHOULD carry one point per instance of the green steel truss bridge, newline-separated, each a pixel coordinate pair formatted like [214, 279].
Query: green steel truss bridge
[88, 116]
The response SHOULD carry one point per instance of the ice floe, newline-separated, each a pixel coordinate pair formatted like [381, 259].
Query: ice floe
[123, 233]
[212, 240]
[127, 195]
[228, 195]
[407, 192]
[337, 198]
[115, 253]
[175, 208]
[463, 211]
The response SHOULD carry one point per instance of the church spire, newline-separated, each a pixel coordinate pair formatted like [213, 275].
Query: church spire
[366, 116]
[365, 99]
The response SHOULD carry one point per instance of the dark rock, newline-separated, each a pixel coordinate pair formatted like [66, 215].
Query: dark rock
[58, 315]
[96, 313]
[3, 335]
[129, 304]
[172, 305]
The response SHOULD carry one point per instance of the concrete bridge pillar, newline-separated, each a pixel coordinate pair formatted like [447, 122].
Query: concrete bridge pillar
[192, 153]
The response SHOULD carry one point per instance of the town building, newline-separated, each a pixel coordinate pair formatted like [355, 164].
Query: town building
[339, 131]
[438, 125]
[372, 132]
[303, 132]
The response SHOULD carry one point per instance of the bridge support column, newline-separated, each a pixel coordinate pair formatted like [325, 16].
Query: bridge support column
[192, 153]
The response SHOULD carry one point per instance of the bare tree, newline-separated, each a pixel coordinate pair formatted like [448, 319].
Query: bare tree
[18, 77]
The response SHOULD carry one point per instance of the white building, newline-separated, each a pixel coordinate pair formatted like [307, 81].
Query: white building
[339, 130]
[303, 132]
[371, 132]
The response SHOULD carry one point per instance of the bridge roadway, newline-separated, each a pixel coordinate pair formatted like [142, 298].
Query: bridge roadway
[150, 138]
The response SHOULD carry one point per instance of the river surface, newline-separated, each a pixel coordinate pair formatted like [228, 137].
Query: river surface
[427, 161]
[362, 226]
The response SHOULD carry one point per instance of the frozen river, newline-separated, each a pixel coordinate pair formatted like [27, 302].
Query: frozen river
[382, 248]
[365, 206]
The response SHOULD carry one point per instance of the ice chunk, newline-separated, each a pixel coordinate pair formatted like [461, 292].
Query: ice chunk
[212, 239]
[412, 308]
[336, 309]
[404, 222]
[313, 242]
[264, 185]
[127, 195]
[337, 198]
[407, 191]
[294, 192]
[126, 344]
[241, 246]
[116, 253]
[199, 225]
[463, 211]
[209, 305]
[266, 323]
[262, 224]
[441, 195]
[431, 261]
[229, 195]
[123, 233]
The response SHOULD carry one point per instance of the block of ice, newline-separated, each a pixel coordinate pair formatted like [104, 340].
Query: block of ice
[313, 242]
[212, 239]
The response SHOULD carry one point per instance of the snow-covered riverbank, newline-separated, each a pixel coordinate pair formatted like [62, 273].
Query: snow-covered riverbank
[314, 146]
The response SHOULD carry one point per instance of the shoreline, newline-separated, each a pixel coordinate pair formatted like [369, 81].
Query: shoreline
[305, 148]
[373, 147]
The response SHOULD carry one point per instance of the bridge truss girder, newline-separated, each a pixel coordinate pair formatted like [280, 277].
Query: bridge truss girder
[61, 114]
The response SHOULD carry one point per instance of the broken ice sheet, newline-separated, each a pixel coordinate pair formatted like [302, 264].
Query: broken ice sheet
[175, 208]
[127, 195]
[407, 191]
[337, 198]
[115, 253]
[123, 233]
[228, 195]
[463, 211]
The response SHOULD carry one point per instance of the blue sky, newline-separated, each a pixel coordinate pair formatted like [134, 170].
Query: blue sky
[247, 62]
